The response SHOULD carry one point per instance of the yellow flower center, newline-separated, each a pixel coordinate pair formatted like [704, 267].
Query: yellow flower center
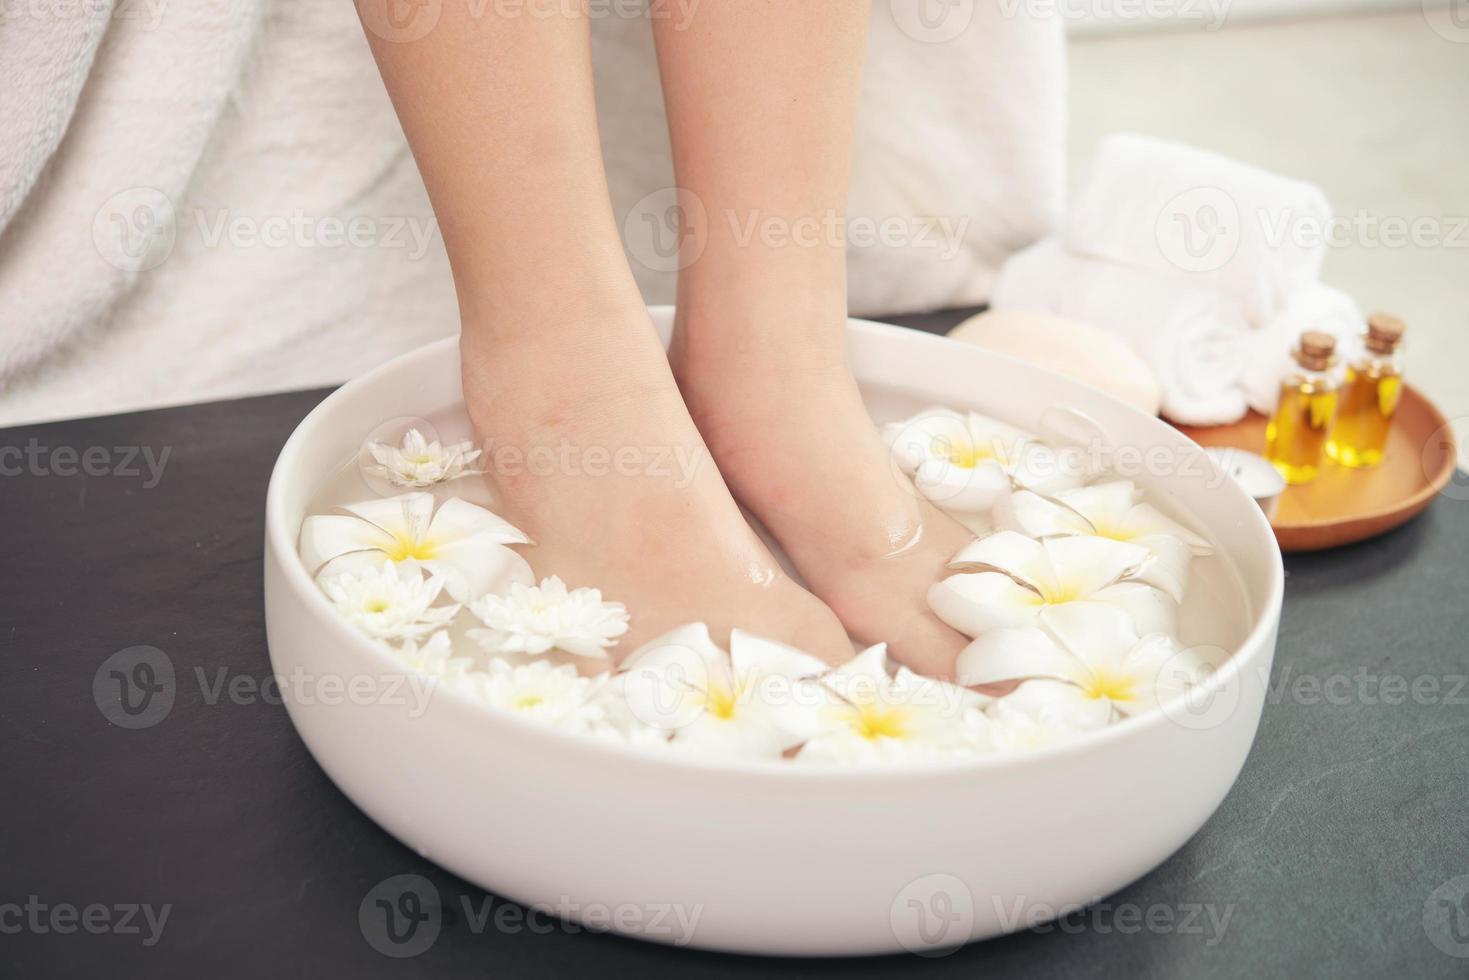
[721, 702]
[377, 605]
[876, 721]
[406, 548]
[965, 454]
[1114, 533]
[1059, 594]
[528, 701]
[1113, 687]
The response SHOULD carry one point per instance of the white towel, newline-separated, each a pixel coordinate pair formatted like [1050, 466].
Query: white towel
[175, 183]
[1315, 307]
[1181, 211]
[1195, 338]
[175, 125]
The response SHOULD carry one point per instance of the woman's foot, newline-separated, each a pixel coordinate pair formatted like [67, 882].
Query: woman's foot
[779, 409]
[593, 454]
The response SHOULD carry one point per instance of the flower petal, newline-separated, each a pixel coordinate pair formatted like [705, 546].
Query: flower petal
[1031, 514]
[1045, 470]
[404, 516]
[1146, 519]
[1168, 566]
[1100, 636]
[1169, 669]
[915, 440]
[354, 562]
[1085, 564]
[1060, 703]
[978, 602]
[479, 565]
[957, 488]
[1151, 609]
[458, 519]
[732, 738]
[583, 647]
[869, 665]
[327, 536]
[751, 654]
[1008, 552]
[995, 435]
[1105, 505]
[1013, 654]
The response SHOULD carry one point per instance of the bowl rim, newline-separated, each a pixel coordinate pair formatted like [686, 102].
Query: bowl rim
[299, 580]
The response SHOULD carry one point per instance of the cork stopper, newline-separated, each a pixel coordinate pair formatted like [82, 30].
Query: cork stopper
[1384, 333]
[1315, 350]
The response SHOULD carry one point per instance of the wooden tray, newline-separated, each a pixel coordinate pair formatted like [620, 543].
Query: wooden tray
[1344, 505]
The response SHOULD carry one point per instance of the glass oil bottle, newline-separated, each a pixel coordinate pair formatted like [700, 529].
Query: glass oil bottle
[1295, 440]
[1369, 397]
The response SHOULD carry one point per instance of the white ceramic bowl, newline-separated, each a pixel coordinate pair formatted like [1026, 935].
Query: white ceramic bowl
[775, 859]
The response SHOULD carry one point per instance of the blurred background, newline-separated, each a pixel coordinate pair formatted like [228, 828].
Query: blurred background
[215, 200]
[1362, 97]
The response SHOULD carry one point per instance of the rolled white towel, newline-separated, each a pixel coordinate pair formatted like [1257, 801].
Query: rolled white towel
[1313, 307]
[1165, 208]
[1194, 338]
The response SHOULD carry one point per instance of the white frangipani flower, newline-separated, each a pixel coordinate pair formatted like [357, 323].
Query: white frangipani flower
[613, 719]
[1022, 722]
[435, 658]
[463, 544]
[965, 463]
[874, 718]
[555, 695]
[1110, 510]
[538, 618]
[388, 602]
[1024, 577]
[421, 463]
[752, 702]
[1084, 666]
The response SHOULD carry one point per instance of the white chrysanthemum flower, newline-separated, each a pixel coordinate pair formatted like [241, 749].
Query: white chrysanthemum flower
[966, 463]
[538, 618]
[388, 602]
[748, 703]
[555, 695]
[1022, 577]
[1085, 665]
[1115, 511]
[872, 718]
[463, 544]
[435, 658]
[421, 463]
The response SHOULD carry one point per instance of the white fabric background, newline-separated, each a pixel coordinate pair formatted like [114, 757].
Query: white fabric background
[177, 182]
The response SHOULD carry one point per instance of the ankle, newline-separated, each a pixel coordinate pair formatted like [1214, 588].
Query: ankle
[767, 341]
[539, 374]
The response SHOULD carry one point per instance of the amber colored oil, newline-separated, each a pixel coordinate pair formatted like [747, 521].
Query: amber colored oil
[1368, 400]
[1296, 438]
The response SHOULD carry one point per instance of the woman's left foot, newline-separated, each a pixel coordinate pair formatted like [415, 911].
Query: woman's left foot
[785, 422]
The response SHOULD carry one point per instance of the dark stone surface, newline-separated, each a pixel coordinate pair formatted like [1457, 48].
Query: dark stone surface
[1350, 813]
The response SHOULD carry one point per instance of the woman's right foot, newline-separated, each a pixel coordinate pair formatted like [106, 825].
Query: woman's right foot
[593, 454]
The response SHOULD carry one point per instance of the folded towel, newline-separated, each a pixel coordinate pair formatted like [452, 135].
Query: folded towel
[1195, 338]
[1177, 210]
[1314, 307]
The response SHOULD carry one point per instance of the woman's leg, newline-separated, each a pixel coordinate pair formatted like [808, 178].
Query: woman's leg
[761, 105]
[594, 454]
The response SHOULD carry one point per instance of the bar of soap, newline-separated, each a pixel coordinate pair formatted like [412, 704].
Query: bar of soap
[1077, 350]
